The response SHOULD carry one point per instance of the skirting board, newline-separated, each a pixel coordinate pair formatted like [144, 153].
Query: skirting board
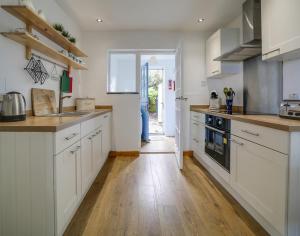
[187, 153]
[124, 154]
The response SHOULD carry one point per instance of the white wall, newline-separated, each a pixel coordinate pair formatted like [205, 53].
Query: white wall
[126, 116]
[234, 81]
[12, 55]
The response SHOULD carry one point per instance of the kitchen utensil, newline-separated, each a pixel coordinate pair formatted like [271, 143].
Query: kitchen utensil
[37, 71]
[43, 102]
[13, 107]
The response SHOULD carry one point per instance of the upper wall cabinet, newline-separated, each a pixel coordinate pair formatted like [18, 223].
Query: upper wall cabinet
[280, 29]
[222, 41]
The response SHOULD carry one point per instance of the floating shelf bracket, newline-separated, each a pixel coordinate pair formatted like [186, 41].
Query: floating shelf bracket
[28, 52]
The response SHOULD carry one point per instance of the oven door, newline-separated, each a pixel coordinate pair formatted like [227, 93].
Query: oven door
[217, 146]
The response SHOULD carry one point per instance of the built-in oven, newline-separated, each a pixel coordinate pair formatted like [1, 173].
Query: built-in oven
[217, 136]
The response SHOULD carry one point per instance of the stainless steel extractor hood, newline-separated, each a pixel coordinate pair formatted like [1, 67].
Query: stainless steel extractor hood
[251, 46]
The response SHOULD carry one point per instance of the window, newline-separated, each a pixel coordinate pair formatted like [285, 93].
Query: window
[122, 75]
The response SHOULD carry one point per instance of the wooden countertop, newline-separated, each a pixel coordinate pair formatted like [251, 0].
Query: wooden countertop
[270, 121]
[48, 124]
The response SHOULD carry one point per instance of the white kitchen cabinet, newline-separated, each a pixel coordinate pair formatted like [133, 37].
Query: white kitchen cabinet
[259, 175]
[197, 138]
[106, 136]
[222, 41]
[45, 175]
[280, 29]
[86, 162]
[97, 151]
[68, 185]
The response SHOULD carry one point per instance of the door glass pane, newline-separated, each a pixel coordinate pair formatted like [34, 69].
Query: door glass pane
[122, 74]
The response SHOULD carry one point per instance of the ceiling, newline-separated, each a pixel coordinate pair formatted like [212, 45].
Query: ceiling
[152, 14]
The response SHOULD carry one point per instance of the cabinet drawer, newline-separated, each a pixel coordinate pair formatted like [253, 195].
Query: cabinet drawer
[90, 125]
[66, 138]
[275, 139]
[197, 116]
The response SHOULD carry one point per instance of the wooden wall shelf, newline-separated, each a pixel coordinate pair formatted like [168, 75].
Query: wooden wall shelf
[33, 20]
[29, 41]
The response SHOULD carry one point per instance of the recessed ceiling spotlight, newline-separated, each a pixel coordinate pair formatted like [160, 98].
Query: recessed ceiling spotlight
[99, 20]
[200, 20]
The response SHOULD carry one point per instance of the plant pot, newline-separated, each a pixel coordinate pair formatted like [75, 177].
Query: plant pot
[229, 103]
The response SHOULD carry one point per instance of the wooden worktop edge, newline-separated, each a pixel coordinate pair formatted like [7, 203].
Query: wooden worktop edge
[288, 128]
[45, 128]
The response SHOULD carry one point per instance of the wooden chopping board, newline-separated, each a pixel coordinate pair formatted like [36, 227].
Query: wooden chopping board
[43, 102]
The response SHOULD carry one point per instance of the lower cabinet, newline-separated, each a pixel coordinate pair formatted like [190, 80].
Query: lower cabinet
[97, 151]
[86, 162]
[197, 138]
[106, 135]
[259, 175]
[68, 185]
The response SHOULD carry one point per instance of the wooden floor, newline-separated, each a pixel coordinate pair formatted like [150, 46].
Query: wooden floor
[148, 195]
[159, 144]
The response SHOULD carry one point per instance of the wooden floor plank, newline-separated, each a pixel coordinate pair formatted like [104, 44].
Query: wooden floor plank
[148, 195]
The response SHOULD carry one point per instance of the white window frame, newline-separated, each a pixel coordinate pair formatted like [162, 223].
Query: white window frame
[137, 66]
[138, 53]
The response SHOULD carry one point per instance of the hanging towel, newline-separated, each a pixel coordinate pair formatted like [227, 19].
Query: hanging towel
[65, 82]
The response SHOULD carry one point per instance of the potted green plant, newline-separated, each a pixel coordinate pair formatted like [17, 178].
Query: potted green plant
[58, 27]
[65, 33]
[72, 40]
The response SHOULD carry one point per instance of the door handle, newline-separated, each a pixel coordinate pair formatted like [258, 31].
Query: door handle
[181, 98]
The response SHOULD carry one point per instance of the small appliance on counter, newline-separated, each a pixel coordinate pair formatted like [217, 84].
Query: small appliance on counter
[12, 107]
[214, 101]
[85, 104]
[290, 109]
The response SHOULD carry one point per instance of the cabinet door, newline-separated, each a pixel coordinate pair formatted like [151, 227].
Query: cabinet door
[97, 151]
[106, 136]
[86, 162]
[68, 185]
[259, 175]
[202, 138]
[195, 134]
[280, 30]
[213, 50]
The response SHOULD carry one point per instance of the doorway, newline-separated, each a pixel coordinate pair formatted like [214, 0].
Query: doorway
[158, 103]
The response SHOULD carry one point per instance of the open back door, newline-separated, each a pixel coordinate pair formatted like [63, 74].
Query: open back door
[178, 110]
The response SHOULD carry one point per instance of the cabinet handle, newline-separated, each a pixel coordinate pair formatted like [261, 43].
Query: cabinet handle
[71, 136]
[75, 150]
[238, 143]
[275, 50]
[196, 140]
[249, 132]
[216, 71]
